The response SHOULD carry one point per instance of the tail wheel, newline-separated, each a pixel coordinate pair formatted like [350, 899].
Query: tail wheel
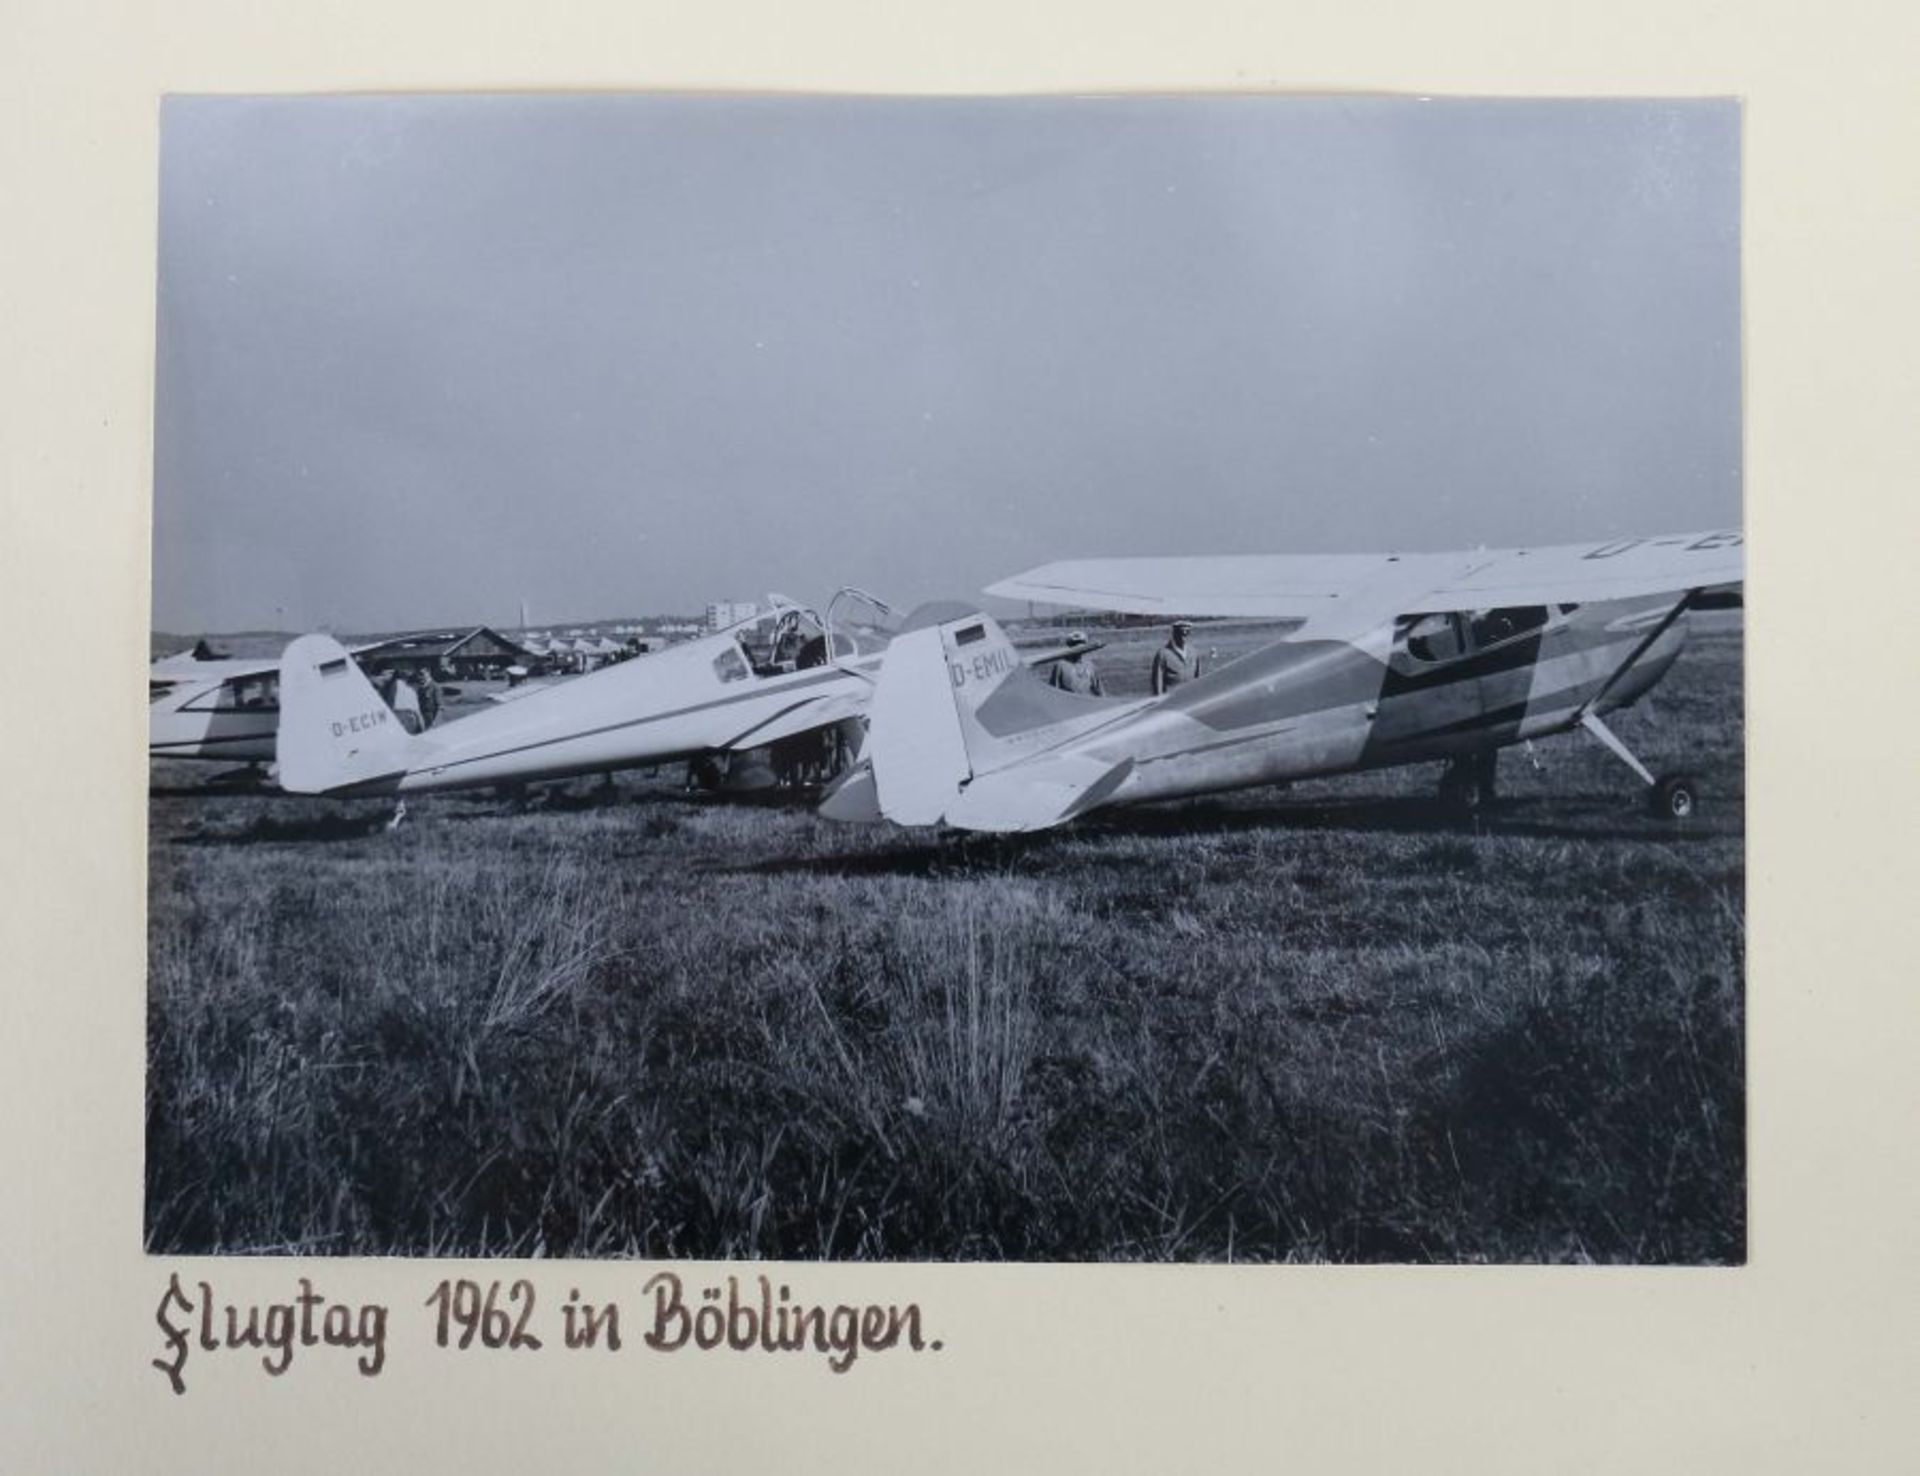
[1676, 797]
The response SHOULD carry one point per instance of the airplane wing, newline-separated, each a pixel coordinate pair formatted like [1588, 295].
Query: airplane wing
[1339, 593]
[186, 666]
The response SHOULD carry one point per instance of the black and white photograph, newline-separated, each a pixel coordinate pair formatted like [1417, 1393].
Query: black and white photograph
[1085, 679]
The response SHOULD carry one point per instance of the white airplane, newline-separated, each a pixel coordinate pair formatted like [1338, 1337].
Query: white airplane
[716, 695]
[1399, 659]
[204, 707]
[215, 707]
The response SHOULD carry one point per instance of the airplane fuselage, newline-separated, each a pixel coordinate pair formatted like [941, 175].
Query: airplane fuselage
[1304, 708]
[683, 701]
[213, 715]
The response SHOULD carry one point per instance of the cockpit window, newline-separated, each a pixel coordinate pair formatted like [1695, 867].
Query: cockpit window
[1433, 637]
[782, 643]
[730, 665]
[861, 624]
[1490, 627]
[242, 694]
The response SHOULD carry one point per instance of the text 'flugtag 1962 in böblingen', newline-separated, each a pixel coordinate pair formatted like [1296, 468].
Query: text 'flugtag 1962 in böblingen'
[732, 1315]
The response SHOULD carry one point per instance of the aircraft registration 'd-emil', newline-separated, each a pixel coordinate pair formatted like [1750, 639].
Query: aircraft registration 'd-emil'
[1399, 659]
[715, 695]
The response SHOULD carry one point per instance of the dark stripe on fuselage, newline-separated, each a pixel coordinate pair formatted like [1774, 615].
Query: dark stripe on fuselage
[1306, 709]
[1292, 679]
[200, 704]
[1477, 693]
[1513, 713]
[209, 742]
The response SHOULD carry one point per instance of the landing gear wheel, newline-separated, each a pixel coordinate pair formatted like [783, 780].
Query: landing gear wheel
[708, 772]
[1486, 775]
[1676, 797]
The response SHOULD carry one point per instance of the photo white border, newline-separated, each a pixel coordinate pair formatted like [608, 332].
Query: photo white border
[1804, 1356]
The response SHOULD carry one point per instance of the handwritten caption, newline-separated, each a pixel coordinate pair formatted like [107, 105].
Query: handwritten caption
[505, 1317]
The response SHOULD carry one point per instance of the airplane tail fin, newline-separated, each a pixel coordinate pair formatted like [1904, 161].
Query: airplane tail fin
[336, 733]
[960, 730]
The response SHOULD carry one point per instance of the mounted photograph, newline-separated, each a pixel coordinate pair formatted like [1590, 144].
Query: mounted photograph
[964, 679]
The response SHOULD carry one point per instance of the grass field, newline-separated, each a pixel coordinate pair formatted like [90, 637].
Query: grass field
[1311, 1025]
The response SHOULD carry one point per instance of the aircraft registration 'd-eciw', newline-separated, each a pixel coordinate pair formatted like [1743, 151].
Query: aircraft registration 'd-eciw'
[1398, 659]
[719, 694]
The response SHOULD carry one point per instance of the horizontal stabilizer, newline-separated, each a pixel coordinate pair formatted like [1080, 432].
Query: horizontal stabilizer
[853, 798]
[1037, 795]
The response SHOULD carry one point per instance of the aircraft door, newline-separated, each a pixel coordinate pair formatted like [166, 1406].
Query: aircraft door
[1431, 693]
[1504, 647]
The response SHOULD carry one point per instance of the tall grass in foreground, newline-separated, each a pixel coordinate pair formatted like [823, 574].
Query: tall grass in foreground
[522, 1053]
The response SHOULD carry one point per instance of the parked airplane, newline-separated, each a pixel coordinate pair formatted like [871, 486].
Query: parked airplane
[212, 707]
[1399, 659]
[717, 695]
[201, 705]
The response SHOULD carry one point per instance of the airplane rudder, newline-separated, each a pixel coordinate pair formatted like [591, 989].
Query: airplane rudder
[980, 659]
[335, 729]
[1007, 709]
[954, 699]
[914, 743]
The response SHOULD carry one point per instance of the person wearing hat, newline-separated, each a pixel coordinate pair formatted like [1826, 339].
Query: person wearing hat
[427, 692]
[1073, 672]
[1175, 662]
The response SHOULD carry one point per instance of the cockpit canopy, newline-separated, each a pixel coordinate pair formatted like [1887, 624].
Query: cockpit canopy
[791, 637]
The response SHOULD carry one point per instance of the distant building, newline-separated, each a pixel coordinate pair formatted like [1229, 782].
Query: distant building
[477, 653]
[723, 613]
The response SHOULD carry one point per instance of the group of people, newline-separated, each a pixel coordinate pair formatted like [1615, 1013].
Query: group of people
[1176, 662]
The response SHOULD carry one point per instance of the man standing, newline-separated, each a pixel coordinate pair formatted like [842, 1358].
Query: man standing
[1175, 662]
[1073, 672]
[428, 693]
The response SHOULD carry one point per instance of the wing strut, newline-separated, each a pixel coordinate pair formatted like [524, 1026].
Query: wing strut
[1660, 628]
[1590, 720]
[1590, 710]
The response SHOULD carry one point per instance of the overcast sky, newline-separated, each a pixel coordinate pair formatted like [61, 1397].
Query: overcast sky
[423, 358]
